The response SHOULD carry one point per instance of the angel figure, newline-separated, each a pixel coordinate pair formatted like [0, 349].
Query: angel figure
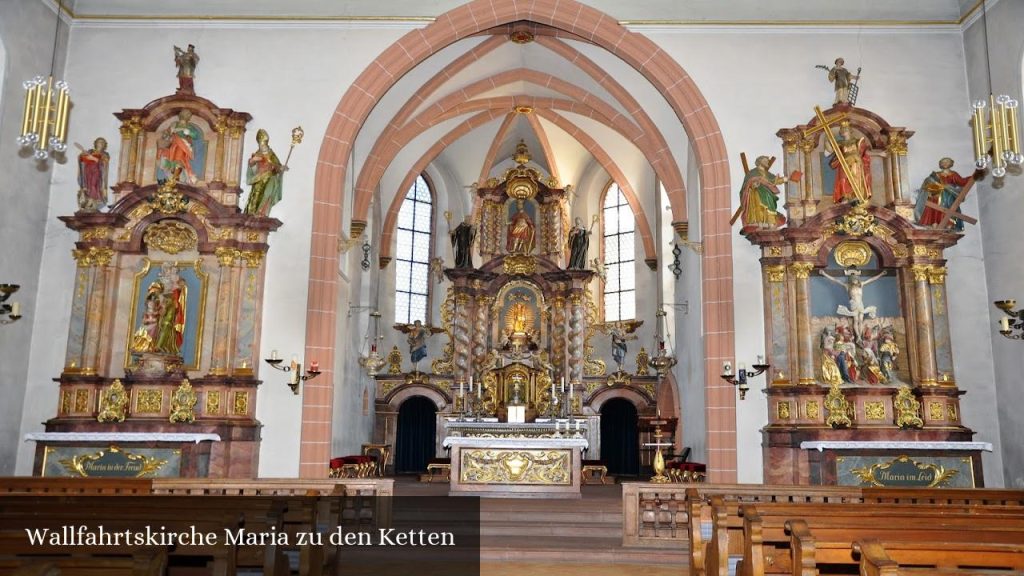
[416, 335]
[621, 332]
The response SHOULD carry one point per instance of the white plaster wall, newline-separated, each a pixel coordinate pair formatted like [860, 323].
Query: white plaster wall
[759, 80]
[26, 41]
[1000, 212]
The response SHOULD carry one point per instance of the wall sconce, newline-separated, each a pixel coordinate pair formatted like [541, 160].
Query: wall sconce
[1013, 321]
[739, 379]
[9, 312]
[295, 369]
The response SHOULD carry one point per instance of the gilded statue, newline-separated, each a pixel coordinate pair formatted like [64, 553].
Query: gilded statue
[164, 318]
[183, 403]
[113, 403]
[416, 335]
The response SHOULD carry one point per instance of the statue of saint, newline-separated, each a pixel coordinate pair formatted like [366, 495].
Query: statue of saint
[519, 315]
[416, 336]
[181, 146]
[619, 338]
[941, 187]
[759, 197]
[92, 177]
[186, 61]
[521, 232]
[858, 161]
[265, 174]
[462, 241]
[162, 327]
[579, 242]
[842, 79]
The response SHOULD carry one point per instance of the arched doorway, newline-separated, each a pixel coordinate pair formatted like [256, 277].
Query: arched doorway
[619, 437]
[415, 435]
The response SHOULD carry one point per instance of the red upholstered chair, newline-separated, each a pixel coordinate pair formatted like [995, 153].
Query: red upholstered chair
[352, 466]
[680, 470]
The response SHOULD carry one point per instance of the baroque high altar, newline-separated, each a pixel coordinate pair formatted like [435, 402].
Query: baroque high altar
[862, 378]
[519, 323]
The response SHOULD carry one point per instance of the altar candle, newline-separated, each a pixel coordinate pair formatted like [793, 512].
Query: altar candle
[16, 309]
[480, 391]
[563, 385]
[470, 384]
[577, 422]
[314, 366]
[462, 389]
[295, 363]
[743, 365]
[273, 355]
[760, 359]
[1004, 324]
[552, 389]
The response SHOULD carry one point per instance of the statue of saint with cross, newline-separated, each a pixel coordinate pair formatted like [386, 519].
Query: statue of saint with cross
[851, 159]
[942, 192]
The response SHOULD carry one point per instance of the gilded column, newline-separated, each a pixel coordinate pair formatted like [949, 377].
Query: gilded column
[248, 312]
[225, 303]
[576, 336]
[220, 127]
[461, 331]
[801, 272]
[923, 317]
[558, 334]
[98, 259]
[777, 325]
[483, 302]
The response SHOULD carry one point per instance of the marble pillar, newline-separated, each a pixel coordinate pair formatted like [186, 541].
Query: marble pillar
[923, 317]
[801, 272]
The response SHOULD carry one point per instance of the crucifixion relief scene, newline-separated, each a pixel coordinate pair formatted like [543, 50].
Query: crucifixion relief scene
[508, 287]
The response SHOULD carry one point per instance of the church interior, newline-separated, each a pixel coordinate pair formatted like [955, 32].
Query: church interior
[724, 276]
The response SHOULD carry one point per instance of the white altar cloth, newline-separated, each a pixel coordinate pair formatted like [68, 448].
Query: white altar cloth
[885, 445]
[119, 437]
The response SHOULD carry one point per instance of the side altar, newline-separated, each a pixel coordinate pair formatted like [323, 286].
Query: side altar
[162, 352]
[862, 376]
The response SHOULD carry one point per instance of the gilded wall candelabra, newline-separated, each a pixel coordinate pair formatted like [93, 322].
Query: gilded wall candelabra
[294, 369]
[9, 312]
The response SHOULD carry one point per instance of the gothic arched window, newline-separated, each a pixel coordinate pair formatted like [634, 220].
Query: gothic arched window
[618, 230]
[412, 254]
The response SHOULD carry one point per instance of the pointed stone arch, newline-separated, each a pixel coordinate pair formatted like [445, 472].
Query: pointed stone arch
[648, 59]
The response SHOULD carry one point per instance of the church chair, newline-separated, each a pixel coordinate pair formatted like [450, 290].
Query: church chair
[442, 466]
[592, 468]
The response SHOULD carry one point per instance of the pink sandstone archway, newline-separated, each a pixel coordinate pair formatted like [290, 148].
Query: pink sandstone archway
[571, 17]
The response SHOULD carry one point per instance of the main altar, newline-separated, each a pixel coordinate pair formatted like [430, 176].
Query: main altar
[519, 316]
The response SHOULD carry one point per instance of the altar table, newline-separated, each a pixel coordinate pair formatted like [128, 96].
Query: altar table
[516, 467]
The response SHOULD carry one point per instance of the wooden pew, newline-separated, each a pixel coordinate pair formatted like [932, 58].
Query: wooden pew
[72, 486]
[15, 557]
[878, 559]
[786, 538]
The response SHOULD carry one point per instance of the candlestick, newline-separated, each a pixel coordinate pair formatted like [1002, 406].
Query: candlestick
[462, 391]
[480, 391]
[1004, 324]
[314, 366]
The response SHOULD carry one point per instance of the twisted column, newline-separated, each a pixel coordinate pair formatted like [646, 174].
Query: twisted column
[576, 337]
[461, 333]
[558, 334]
[480, 329]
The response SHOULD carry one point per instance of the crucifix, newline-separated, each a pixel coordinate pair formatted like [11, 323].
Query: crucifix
[948, 214]
[826, 126]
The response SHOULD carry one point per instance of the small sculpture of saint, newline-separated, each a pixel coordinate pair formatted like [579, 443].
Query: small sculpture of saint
[521, 232]
[619, 338]
[759, 197]
[843, 80]
[462, 242]
[92, 177]
[941, 187]
[855, 154]
[579, 243]
[265, 174]
[181, 146]
[416, 336]
[186, 61]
